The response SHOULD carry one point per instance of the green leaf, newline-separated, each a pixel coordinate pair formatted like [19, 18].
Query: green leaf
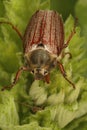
[8, 111]
[81, 9]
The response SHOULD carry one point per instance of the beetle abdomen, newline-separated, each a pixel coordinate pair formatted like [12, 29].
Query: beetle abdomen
[45, 27]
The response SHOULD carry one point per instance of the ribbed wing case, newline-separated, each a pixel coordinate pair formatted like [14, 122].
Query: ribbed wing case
[45, 27]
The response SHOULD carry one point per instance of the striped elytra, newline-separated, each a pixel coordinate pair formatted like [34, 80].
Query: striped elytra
[45, 27]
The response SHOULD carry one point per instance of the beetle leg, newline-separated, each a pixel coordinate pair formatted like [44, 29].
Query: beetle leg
[71, 35]
[63, 54]
[14, 27]
[47, 78]
[16, 78]
[64, 73]
[66, 53]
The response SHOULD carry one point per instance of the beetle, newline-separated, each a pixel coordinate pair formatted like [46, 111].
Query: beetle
[43, 45]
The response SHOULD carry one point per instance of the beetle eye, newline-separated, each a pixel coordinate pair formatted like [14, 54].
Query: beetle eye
[32, 71]
[45, 72]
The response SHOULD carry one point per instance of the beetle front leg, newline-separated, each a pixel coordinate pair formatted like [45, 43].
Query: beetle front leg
[14, 27]
[66, 53]
[16, 78]
[64, 73]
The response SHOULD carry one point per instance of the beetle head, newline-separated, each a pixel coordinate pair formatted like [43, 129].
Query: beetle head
[40, 63]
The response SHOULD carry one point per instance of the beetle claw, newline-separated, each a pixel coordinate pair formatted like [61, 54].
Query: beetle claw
[6, 87]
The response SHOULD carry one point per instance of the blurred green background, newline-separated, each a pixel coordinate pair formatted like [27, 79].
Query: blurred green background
[64, 7]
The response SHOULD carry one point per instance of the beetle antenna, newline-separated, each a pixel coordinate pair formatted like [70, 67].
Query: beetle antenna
[14, 27]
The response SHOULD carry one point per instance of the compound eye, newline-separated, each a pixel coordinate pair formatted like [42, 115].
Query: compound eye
[45, 72]
[32, 71]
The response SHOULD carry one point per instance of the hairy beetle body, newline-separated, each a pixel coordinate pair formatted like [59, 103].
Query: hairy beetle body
[43, 43]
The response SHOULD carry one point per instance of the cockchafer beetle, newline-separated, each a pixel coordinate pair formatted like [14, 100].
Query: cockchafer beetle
[43, 44]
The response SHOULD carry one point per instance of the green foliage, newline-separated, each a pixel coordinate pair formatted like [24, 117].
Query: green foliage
[65, 108]
[8, 111]
[81, 9]
[64, 7]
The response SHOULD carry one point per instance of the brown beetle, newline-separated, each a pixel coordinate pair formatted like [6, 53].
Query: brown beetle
[43, 44]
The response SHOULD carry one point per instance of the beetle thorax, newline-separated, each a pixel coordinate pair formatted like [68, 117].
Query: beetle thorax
[40, 62]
